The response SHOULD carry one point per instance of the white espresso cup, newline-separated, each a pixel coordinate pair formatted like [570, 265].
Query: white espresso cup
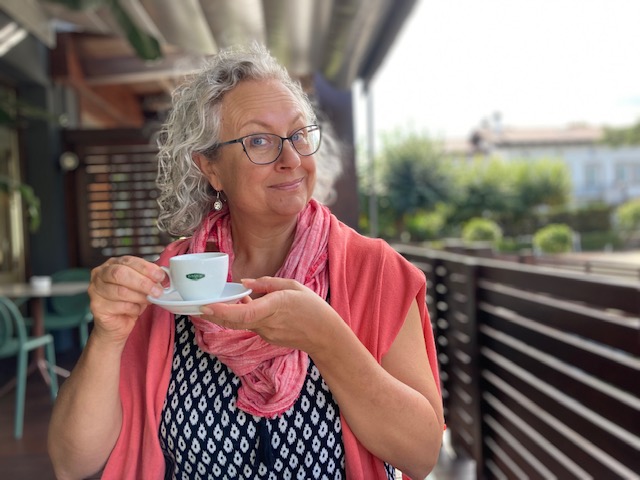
[198, 276]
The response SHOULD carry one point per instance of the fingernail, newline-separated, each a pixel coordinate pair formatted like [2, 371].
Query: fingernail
[156, 291]
[159, 275]
[206, 311]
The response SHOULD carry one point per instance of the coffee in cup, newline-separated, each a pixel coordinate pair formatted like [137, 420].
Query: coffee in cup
[198, 276]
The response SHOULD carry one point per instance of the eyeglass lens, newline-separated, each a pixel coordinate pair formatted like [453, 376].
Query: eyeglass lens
[266, 147]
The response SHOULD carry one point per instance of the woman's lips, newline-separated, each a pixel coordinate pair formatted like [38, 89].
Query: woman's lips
[288, 185]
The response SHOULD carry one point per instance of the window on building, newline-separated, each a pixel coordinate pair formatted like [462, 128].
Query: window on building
[621, 173]
[592, 174]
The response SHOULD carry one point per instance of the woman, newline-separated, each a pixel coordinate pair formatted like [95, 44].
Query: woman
[329, 371]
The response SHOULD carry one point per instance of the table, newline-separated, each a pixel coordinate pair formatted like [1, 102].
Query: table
[36, 295]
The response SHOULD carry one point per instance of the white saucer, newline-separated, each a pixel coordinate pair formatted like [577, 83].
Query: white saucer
[175, 304]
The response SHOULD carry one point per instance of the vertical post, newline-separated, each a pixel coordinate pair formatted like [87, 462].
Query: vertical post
[477, 449]
[336, 106]
[373, 199]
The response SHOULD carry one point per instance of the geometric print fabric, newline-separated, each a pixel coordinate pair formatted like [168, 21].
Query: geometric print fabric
[204, 435]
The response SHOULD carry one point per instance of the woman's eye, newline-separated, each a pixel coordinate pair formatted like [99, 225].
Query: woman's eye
[298, 137]
[258, 141]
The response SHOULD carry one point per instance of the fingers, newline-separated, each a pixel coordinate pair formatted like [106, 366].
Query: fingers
[118, 293]
[277, 297]
[238, 316]
[102, 308]
[248, 314]
[127, 279]
[276, 316]
[119, 287]
[252, 314]
[271, 284]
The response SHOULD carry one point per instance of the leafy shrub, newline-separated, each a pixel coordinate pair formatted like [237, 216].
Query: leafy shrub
[554, 238]
[627, 217]
[598, 241]
[426, 225]
[589, 218]
[513, 245]
[481, 230]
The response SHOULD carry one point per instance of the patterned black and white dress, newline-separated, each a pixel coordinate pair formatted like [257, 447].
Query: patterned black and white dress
[204, 435]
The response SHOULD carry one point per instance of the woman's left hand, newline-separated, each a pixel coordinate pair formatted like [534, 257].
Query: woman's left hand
[287, 314]
[401, 392]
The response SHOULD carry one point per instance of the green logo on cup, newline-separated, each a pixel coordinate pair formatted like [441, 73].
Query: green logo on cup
[195, 276]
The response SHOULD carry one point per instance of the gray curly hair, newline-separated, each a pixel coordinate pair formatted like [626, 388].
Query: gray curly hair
[194, 123]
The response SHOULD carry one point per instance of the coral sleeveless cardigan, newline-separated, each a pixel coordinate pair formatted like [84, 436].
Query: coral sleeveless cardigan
[372, 288]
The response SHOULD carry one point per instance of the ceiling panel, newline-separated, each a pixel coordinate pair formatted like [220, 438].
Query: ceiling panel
[344, 40]
[336, 37]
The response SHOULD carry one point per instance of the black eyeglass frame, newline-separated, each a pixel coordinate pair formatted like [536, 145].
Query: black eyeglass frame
[282, 140]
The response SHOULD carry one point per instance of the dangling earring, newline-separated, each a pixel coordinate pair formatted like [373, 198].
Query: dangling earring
[217, 205]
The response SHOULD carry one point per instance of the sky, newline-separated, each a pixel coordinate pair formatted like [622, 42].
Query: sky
[542, 63]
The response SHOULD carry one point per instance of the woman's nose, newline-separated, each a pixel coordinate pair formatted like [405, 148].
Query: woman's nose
[289, 157]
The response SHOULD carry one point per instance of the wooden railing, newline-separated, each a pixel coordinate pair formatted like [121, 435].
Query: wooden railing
[597, 267]
[540, 368]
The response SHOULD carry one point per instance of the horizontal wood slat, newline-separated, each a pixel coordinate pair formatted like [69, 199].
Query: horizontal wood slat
[605, 327]
[590, 391]
[598, 292]
[562, 421]
[116, 177]
[547, 360]
[546, 459]
[613, 366]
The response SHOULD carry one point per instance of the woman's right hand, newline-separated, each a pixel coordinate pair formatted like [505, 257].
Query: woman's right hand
[87, 416]
[118, 292]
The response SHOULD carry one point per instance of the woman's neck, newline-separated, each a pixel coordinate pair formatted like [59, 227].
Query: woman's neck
[260, 250]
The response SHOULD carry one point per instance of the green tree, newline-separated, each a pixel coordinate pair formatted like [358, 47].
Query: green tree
[617, 137]
[509, 191]
[427, 225]
[627, 218]
[386, 215]
[539, 184]
[485, 189]
[415, 177]
[542, 182]
[424, 193]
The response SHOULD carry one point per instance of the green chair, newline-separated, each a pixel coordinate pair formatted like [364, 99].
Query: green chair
[15, 342]
[69, 311]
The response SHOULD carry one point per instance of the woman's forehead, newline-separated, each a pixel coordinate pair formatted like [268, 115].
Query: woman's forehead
[260, 103]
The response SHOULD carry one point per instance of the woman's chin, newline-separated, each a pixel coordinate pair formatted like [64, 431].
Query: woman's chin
[291, 206]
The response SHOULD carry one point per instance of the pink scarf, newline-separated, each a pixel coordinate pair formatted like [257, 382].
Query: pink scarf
[271, 376]
[360, 270]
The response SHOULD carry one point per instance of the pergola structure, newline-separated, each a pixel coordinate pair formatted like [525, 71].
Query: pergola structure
[110, 66]
[342, 40]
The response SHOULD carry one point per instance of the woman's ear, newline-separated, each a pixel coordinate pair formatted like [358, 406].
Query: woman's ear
[201, 161]
[207, 167]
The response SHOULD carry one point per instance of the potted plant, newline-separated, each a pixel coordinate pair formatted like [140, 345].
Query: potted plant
[32, 202]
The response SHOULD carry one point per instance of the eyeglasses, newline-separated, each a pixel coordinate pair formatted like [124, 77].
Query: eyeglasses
[265, 148]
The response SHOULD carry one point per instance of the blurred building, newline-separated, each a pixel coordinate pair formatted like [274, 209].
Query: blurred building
[599, 173]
